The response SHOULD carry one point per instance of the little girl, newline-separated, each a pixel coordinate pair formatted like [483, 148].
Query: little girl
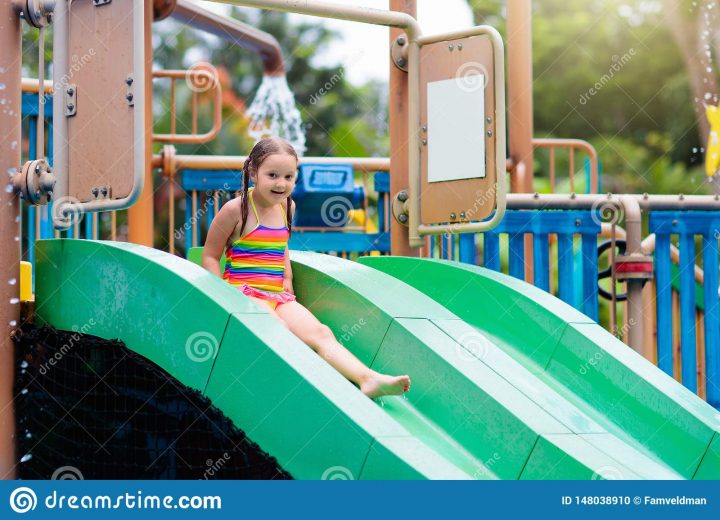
[253, 230]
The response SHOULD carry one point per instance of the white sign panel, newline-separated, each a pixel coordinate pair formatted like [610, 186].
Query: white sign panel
[456, 128]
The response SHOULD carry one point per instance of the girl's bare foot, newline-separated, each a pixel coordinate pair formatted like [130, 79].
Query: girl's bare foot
[377, 385]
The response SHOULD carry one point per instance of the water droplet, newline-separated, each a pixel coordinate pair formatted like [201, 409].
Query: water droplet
[8, 188]
[17, 239]
[2, 86]
[24, 391]
[26, 457]
[11, 171]
[24, 364]
[13, 323]
[695, 150]
[17, 219]
[13, 145]
[28, 435]
[708, 95]
[12, 281]
[14, 300]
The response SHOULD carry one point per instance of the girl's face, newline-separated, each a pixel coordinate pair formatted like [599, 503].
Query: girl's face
[275, 179]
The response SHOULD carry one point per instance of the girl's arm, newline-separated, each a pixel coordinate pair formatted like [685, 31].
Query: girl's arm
[221, 228]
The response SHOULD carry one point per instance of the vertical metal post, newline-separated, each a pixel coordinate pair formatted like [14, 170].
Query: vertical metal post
[140, 215]
[10, 144]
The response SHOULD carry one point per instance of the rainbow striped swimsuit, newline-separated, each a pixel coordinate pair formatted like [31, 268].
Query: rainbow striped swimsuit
[255, 263]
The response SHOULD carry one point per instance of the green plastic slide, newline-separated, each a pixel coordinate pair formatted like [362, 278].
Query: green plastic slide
[482, 404]
[600, 375]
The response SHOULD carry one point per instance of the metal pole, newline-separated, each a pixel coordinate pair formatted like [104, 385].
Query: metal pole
[10, 144]
[234, 32]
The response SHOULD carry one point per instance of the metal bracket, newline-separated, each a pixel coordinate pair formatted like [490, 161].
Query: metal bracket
[399, 207]
[70, 100]
[130, 92]
[399, 52]
[102, 192]
[98, 3]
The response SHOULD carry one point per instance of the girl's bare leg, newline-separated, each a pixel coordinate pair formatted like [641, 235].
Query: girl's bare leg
[320, 338]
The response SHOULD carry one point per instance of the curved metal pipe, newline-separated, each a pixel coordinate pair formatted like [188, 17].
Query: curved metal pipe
[235, 32]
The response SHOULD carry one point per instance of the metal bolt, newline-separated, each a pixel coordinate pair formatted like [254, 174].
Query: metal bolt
[70, 107]
[104, 191]
[462, 214]
[674, 223]
[95, 192]
[37, 169]
[488, 119]
[572, 196]
[717, 197]
[459, 46]
[49, 17]
[70, 91]
[402, 196]
[646, 196]
[451, 47]
[577, 222]
[129, 97]
[424, 141]
[681, 197]
[453, 216]
[536, 195]
[129, 81]
[400, 40]
[489, 132]
[403, 218]
[424, 128]
[401, 62]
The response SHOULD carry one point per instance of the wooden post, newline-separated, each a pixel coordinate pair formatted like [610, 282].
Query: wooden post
[398, 122]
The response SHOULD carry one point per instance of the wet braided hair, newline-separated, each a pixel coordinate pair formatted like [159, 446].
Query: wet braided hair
[263, 149]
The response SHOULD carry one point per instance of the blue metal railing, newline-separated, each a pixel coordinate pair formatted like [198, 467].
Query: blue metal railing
[687, 225]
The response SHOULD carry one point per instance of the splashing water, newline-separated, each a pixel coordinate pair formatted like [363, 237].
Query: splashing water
[273, 113]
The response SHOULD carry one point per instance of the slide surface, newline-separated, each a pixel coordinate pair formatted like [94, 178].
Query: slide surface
[482, 405]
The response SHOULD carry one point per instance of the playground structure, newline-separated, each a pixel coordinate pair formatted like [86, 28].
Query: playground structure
[580, 396]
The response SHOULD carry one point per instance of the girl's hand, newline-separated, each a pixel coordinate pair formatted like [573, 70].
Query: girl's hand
[287, 285]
